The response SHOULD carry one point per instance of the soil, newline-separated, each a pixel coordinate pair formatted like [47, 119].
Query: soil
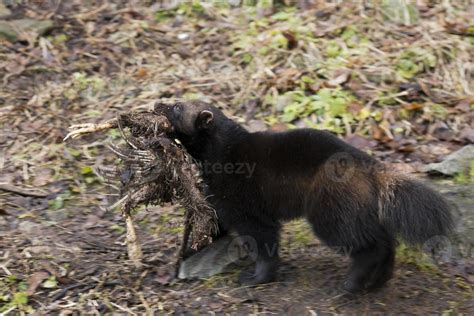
[62, 251]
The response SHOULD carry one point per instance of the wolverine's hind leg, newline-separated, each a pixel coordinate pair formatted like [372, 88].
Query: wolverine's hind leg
[352, 226]
[371, 267]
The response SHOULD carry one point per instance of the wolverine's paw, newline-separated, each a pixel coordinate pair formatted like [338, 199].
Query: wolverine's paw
[357, 288]
[251, 279]
[353, 287]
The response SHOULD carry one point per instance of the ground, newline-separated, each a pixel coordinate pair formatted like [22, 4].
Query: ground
[401, 90]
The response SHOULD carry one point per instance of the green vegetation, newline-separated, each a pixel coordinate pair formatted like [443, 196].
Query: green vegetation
[13, 295]
[466, 178]
[410, 255]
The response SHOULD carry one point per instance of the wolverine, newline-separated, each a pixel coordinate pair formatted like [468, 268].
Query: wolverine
[353, 202]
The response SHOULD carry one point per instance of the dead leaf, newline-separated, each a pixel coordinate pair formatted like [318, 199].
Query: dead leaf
[470, 278]
[463, 29]
[291, 38]
[413, 106]
[355, 107]
[43, 177]
[279, 127]
[465, 104]
[360, 141]
[377, 132]
[340, 76]
[164, 279]
[35, 280]
[141, 73]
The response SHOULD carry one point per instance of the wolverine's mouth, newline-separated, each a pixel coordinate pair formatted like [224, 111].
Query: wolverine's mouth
[166, 110]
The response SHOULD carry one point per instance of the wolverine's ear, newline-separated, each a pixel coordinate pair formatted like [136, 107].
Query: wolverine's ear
[204, 119]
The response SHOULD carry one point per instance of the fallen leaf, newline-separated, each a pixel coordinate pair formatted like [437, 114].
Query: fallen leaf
[142, 73]
[470, 278]
[164, 279]
[291, 38]
[360, 141]
[279, 127]
[413, 106]
[35, 280]
[340, 76]
[402, 167]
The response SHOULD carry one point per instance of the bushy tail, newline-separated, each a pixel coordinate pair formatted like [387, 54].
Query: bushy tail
[417, 213]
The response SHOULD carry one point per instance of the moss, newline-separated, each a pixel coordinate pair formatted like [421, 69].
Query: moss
[409, 255]
[297, 234]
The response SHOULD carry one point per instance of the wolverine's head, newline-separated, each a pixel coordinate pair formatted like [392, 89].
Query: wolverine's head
[195, 124]
[189, 118]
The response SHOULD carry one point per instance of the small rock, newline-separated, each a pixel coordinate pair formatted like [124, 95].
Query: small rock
[339, 77]
[28, 227]
[457, 162]
[213, 259]
[11, 30]
[57, 215]
[256, 126]
[183, 36]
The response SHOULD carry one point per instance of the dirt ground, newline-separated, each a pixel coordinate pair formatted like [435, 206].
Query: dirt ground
[62, 251]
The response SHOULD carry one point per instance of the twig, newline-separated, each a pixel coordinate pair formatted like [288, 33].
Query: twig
[22, 191]
[123, 309]
[134, 249]
[184, 245]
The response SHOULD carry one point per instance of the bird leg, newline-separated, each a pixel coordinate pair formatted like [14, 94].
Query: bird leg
[87, 128]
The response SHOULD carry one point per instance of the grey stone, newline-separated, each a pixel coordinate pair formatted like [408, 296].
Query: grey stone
[28, 227]
[457, 162]
[57, 215]
[11, 30]
[461, 198]
[214, 259]
[256, 126]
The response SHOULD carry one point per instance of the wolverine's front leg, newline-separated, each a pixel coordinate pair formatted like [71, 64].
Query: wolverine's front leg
[259, 242]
